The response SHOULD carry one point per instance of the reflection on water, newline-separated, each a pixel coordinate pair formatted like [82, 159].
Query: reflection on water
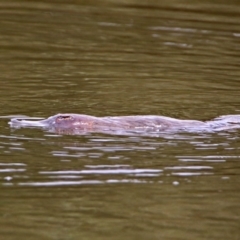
[168, 181]
[178, 59]
[103, 159]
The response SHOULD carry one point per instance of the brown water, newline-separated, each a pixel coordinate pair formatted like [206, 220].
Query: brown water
[173, 58]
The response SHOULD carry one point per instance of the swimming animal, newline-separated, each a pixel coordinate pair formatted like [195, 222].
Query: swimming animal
[70, 123]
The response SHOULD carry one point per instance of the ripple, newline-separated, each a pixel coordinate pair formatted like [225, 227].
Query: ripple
[236, 34]
[12, 170]
[12, 164]
[188, 167]
[206, 158]
[187, 174]
[104, 171]
[177, 29]
[107, 166]
[109, 24]
[182, 45]
[82, 182]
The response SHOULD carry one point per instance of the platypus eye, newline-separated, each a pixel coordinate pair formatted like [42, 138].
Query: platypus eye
[63, 118]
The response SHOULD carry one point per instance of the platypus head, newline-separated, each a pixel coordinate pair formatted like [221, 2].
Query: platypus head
[56, 122]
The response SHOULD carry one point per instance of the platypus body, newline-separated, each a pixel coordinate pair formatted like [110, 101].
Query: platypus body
[70, 123]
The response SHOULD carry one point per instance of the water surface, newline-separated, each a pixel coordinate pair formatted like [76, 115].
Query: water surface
[179, 59]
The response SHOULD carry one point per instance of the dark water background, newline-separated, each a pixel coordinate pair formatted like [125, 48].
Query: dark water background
[173, 58]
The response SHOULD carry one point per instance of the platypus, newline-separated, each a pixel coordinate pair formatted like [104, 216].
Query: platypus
[80, 124]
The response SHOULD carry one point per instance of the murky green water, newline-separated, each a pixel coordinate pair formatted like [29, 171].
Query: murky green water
[173, 58]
